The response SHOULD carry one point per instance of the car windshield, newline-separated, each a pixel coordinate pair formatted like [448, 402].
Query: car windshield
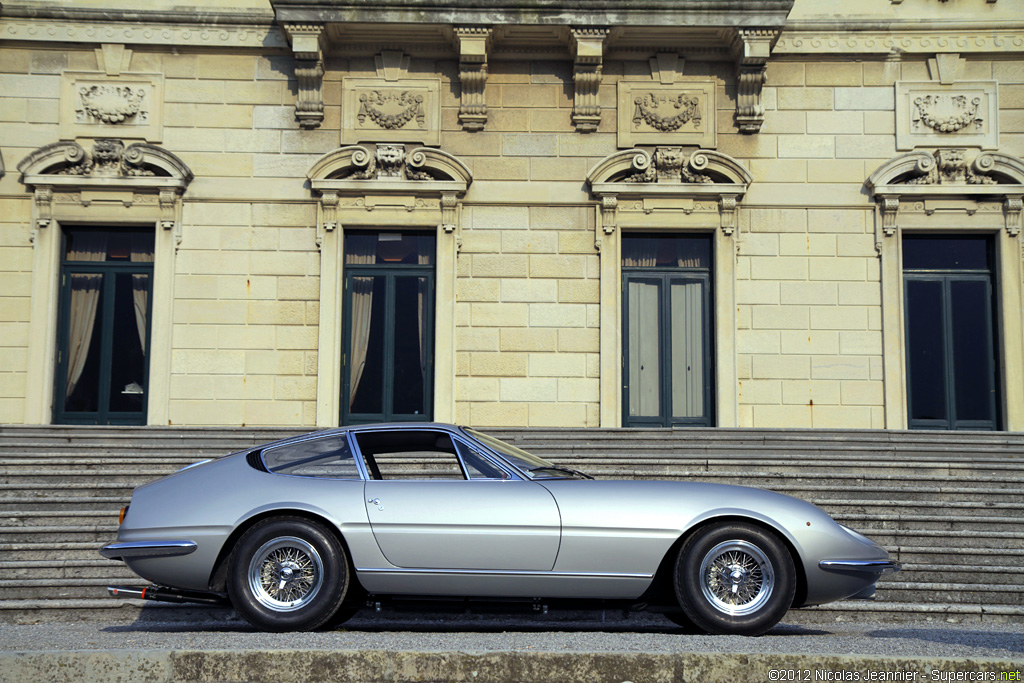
[528, 463]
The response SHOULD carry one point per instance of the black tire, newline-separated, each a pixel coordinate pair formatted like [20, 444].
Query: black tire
[735, 578]
[288, 574]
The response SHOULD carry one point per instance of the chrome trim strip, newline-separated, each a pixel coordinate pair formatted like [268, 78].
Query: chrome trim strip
[505, 572]
[135, 549]
[870, 566]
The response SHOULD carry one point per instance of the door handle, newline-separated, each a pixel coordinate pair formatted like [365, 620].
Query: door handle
[375, 501]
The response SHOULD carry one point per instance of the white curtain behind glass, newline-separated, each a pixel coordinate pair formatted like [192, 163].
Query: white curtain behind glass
[360, 251]
[85, 299]
[142, 252]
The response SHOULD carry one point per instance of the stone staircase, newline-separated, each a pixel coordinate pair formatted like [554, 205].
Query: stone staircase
[950, 506]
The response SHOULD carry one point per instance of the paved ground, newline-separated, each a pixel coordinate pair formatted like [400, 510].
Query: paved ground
[459, 647]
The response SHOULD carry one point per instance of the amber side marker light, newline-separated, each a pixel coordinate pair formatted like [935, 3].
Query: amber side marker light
[120, 515]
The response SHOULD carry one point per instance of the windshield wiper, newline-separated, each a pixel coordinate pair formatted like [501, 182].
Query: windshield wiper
[552, 468]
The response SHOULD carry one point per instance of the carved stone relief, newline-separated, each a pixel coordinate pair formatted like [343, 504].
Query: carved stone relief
[931, 114]
[375, 110]
[588, 50]
[473, 43]
[681, 113]
[309, 72]
[95, 104]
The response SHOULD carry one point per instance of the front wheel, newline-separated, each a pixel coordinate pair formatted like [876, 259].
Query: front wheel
[288, 574]
[735, 578]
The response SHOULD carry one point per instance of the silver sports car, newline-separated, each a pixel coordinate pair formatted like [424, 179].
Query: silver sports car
[297, 534]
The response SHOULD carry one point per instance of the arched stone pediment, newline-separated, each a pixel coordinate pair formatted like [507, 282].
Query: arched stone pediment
[422, 179]
[950, 173]
[390, 163]
[108, 163]
[948, 168]
[109, 166]
[673, 175]
[670, 166]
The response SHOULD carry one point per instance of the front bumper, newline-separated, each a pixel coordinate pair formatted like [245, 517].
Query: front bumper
[879, 567]
[138, 549]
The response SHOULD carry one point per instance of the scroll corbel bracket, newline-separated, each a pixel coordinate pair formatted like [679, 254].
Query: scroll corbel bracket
[609, 218]
[473, 44]
[751, 49]
[450, 217]
[44, 210]
[1013, 205]
[727, 211]
[588, 50]
[890, 208]
[328, 215]
[309, 72]
[170, 203]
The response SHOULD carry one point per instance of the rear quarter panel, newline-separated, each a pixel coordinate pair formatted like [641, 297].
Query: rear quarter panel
[206, 503]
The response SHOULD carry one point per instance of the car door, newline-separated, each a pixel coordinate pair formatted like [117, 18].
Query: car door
[426, 514]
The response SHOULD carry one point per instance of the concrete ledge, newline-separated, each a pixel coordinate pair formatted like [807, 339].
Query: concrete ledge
[382, 666]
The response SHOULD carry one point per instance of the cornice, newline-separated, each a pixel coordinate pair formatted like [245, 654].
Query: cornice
[182, 15]
[721, 13]
[184, 26]
[919, 38]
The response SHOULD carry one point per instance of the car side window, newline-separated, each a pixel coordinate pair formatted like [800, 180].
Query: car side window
[477, 465]
[328, 457]
[410, 455]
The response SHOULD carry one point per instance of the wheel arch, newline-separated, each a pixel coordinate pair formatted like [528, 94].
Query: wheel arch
[662, 587]
[218, 577]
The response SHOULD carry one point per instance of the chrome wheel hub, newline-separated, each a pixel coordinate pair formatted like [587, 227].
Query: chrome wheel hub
[736, 578]
[285, 574]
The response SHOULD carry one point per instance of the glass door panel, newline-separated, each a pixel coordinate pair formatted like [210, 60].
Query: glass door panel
[972, 350]
[410, 345]
[687, 334]
[130, 327]
[643, 341]
[926, 353]
[83, 346]
[366, 306]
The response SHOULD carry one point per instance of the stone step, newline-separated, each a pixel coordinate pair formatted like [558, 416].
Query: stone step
[969, 541]
[110, 571]
[956, 593]
[96, 534]
[53, 551]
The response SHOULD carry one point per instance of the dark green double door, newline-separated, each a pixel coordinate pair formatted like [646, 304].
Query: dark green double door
[103, 331]
[388, 355]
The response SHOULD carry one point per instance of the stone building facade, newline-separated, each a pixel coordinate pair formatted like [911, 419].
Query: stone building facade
[318, 212]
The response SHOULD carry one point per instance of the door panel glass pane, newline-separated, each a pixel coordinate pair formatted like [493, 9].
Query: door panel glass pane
[970, 306]
[946, 253]
[128, 343]
[366, 346]
[925, 352]
[644, 355]
[410, 350]
[687, 335]
[84, 346]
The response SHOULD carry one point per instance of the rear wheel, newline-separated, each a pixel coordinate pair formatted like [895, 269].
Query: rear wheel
[735, 578]
[288, 574]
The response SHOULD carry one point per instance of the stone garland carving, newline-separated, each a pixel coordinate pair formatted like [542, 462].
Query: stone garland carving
[111, 104]
[389, 162]
[108, 158]
[668, 165]
[948, 167]
[411, 106]
[928, 110]
[647, 107]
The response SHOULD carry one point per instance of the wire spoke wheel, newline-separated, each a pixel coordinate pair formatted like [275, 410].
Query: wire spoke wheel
[737, 577]
[285, 574]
